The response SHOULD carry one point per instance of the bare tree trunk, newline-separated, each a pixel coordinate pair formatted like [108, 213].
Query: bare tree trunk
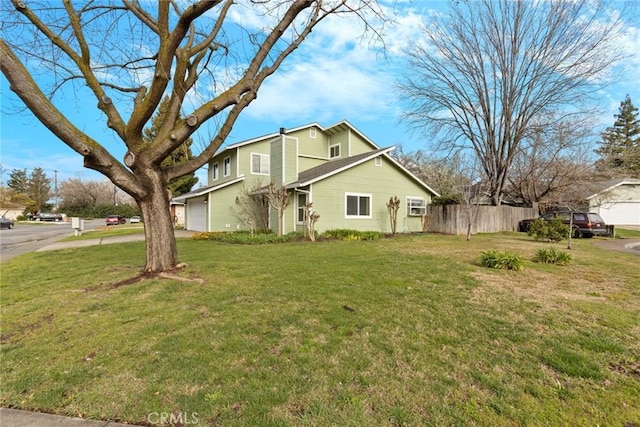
[162, 252]
[570, 230]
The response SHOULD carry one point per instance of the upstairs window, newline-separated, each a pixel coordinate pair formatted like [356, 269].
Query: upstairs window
[416, 206]
[215, 172]
[226, 166]
[259, 164]
[334, 151]
[312, 132]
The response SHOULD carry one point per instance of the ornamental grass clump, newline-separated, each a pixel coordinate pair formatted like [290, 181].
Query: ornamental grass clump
[552, 256]
[501, 260]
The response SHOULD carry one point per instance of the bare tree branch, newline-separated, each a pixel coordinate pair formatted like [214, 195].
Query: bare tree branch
[485, 74]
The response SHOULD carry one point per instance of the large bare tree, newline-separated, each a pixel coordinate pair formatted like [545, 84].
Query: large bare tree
[127, 56]
[551, 158]
[489, 69]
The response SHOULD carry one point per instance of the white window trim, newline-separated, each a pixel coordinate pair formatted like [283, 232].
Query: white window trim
[262, 159]
[215, 171]
[369, 195]
[330, 147]
[312, 133]
[409, 205]
[226, 171]
[379, 161]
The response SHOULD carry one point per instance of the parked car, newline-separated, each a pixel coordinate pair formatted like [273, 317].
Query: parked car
[47, 216]
[585, 224]
[116, 219]
[135, 219]
[6, 223]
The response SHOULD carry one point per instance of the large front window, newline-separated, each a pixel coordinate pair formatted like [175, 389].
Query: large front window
[358, 205]
[259, 164]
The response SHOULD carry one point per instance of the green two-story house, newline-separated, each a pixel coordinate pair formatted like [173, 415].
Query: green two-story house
[345, 176]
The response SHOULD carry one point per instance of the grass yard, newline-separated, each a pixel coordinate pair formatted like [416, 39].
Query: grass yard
[403, 331]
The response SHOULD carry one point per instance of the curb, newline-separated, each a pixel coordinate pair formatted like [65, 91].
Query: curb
[18, 418]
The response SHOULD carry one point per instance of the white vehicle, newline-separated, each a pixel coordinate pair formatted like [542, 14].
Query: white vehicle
[135, 219]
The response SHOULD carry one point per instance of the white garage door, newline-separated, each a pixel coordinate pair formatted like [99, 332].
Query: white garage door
[621, 213]
[196, 215]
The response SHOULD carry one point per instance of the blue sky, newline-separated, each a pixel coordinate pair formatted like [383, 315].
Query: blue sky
[330, 78]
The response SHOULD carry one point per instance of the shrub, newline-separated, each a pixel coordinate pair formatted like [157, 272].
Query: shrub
[552, 256]
[346, 234]
[553, 231]
[245, 237]
[501, 260]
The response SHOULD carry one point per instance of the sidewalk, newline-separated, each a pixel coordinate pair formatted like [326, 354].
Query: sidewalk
[17, 418]
[105, 241]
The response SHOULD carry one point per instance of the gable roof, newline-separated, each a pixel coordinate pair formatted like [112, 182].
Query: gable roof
[604, 186]
[331, 130]
[202, 191]
[333, 167]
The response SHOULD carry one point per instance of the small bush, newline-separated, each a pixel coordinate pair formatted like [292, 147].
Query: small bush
[346, 234]
[246, 238]
[501, 260]
[552, 256]
[552, 231]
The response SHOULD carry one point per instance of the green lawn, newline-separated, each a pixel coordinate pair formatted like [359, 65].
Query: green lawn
[402, 331]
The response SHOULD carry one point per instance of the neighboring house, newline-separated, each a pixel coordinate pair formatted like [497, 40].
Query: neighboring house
[176, 206]
[11, 210]
[347, 178]
[617, 201]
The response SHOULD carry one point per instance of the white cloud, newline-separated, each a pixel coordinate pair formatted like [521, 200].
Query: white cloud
[320, 90]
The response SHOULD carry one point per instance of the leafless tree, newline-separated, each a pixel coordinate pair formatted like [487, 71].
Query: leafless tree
[310, 219]
[393, 206]
[252, 206]
[551, 159]
[443, 174]
[278, 198]
[471, 193]
[127, 56]
[491, 68]
[80, 192]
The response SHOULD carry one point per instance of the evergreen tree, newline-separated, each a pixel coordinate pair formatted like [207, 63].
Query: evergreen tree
[18, 181]
[39, 188]
[185, 183]
[620, 147]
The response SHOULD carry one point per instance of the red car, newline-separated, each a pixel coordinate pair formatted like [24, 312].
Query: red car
[116, 219]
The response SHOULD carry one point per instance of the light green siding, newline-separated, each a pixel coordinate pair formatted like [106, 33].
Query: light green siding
[300, 150]
[222, 213]
[309, 146]
[381, 182]
[277, 155]
[245, 152]
[284, 159]
[219, 159]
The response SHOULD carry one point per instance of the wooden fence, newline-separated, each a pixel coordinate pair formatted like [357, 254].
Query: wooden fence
[453, 219]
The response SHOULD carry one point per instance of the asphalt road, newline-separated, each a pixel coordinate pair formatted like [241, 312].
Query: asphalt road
[28, 237]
